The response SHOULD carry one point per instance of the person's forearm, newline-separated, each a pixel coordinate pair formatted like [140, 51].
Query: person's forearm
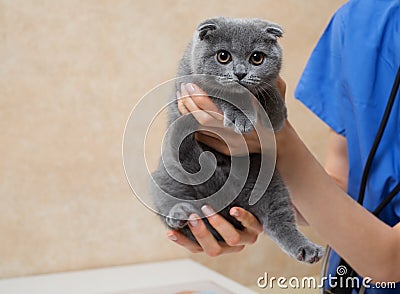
[368, 244]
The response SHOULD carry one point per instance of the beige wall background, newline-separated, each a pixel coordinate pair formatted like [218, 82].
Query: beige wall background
[70, 73]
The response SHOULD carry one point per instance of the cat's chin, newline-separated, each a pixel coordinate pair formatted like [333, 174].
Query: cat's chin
[237, 87]
[234, 85]
[247, 85]
[222, 85]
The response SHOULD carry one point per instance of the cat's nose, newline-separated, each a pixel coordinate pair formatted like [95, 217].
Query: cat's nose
[240, 75]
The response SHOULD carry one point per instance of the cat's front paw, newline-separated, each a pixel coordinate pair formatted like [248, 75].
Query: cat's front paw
[310, 253]
[240, 122]
[178, 215]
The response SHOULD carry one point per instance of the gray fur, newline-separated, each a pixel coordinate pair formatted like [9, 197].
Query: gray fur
[240, 37]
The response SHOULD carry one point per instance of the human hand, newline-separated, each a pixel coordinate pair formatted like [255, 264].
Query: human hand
[235, 240]
[192, 99]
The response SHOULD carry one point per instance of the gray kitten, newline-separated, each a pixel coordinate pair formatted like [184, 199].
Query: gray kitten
[241, 52]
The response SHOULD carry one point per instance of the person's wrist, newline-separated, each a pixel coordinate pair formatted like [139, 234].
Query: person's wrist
[253, 144]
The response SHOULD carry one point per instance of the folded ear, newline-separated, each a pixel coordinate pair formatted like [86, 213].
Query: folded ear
[205, 28]
[274, 31]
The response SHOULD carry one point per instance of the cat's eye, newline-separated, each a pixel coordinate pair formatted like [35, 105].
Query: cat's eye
[257, 58]
[224, 57]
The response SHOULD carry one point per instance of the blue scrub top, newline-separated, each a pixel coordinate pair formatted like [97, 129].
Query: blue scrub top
[347, 83]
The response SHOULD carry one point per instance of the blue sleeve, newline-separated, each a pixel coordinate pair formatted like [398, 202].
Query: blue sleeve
[320, 87]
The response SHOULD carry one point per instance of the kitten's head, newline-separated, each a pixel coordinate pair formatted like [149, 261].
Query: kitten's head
[243, 51]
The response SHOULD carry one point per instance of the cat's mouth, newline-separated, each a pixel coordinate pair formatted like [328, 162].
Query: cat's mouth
[248, 83]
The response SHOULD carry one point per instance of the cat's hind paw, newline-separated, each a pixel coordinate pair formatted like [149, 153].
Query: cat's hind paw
[310, 253]
[179, 214]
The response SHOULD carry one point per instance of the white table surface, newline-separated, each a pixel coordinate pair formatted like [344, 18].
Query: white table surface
[123, 279]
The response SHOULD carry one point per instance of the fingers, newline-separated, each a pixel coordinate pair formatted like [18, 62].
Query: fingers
[248, 220]
[235, 240]
[183, 241]
[192, 99]
[207, 242]
[205, 238]
[201, 99]
[229, 233]
[181, 106]
[203, 117]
